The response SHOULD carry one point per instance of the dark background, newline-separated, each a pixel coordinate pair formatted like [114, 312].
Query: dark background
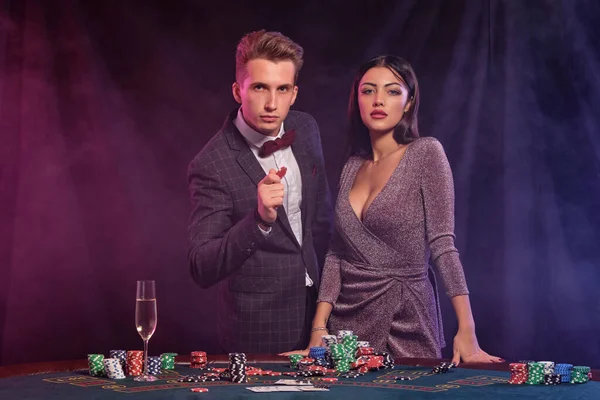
[103, 105]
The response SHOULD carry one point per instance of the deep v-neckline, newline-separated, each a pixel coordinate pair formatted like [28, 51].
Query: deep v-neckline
[366, 211]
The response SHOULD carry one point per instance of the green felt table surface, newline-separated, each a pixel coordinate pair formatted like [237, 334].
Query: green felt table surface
[459, 383]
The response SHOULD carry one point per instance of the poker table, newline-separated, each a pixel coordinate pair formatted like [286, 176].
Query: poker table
[71, 380]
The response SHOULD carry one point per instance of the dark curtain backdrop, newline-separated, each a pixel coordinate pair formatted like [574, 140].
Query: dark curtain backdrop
[104, 103]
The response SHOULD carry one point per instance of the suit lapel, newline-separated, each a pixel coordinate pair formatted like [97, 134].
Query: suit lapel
[250, 165]
[304, 164]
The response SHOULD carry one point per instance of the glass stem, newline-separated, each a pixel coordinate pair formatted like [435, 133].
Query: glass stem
[146, 357]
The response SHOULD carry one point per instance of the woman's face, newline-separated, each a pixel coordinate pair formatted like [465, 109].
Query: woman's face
[382, 100]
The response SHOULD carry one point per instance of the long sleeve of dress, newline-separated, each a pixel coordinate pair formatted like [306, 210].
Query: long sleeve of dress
[331, 282]
[437, 190]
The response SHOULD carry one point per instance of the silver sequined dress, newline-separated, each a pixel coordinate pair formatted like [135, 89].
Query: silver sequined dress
[376, 271]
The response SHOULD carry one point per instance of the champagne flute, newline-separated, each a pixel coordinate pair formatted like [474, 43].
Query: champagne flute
[145, 321]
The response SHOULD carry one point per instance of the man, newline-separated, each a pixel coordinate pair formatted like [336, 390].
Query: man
[261, 218]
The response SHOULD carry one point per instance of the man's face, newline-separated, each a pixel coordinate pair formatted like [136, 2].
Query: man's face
[266, 94]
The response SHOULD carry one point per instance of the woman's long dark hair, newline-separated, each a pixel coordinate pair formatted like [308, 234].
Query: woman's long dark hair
[407, 129]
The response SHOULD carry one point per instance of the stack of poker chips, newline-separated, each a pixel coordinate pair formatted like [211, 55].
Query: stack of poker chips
[294, 359]
[317, 353]
[580, 374]
[552, 379]
[237, 367]
[535, 373]
[565, 371]
[120, 355]
[154, 365]
[343, 354]
[342, 334]
[518, 373]
[168, 360]
[96, 364]
[113, 368]
[198, 359]
[341, 358]
[328, 340]
[135, 362]
[350, 343]
[365, 351]
[548, 367]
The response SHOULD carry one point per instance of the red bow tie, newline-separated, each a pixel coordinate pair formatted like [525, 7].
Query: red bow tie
[270, 147]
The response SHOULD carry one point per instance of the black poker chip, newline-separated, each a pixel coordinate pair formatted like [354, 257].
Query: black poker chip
[225, 375]
[399, 377]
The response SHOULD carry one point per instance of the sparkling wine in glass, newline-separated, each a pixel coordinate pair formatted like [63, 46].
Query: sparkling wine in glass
[145, 321]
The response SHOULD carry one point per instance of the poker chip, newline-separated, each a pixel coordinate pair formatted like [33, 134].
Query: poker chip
[328, 340]
[342, 334]
[198, 360]
[121, 355]
[225, 375]
[282, 171]
[518, 373]
[134, 362]
[388, 360]
[535, 373]
[154, 365]
[96, 364]
[113, 368]
[552, 379]
[317, 352]
[199, 390]
[565, 371]
[294, 359]
[237, 367]
[321, 362]
[443, 368]
[341, 354]
[168, 361]
[329, 379]
[548, 366]
[364, 351]
[400, 377]
[580, 374]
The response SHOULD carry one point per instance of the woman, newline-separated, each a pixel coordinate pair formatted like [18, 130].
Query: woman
[395, 208]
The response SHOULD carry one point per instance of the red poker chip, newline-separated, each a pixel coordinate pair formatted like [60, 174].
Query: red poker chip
[363, 369]
[199, 390]
[281, 172]
[329, 379]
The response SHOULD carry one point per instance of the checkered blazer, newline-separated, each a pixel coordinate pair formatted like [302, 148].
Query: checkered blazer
[262, 296]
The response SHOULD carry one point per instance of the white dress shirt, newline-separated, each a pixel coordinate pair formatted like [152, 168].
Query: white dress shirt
[292, 181]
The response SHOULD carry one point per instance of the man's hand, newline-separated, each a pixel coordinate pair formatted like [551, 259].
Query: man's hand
[270, 196]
